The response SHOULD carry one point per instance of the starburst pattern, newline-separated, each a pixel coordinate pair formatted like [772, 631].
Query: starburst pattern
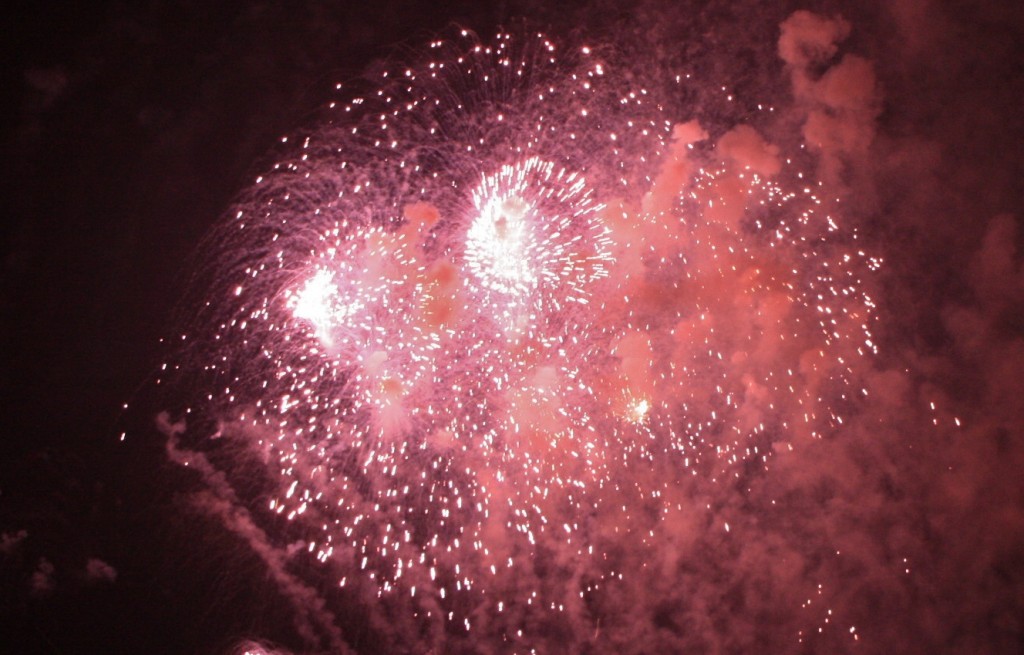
[500, 316]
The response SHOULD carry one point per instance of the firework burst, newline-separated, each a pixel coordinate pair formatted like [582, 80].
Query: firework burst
[499, 318]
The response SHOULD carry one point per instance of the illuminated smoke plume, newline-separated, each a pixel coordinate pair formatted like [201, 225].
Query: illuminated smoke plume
[501, 351]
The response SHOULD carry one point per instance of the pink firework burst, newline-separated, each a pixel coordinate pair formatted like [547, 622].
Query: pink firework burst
[500, 319]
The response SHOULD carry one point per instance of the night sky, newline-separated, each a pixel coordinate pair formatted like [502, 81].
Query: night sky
[129, 129]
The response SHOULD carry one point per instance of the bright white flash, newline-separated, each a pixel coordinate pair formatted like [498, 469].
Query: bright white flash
[499, 241]
[315, 303]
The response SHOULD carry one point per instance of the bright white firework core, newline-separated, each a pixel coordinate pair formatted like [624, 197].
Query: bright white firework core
[535, 240]
[315, 304]
[499, 239]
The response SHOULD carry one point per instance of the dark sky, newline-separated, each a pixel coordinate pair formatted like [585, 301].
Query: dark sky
[129, 128]
[133, 125]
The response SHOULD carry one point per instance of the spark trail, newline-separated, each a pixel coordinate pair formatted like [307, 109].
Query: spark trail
[501, 318]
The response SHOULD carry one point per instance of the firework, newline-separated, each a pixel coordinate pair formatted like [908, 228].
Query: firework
[498, 319]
